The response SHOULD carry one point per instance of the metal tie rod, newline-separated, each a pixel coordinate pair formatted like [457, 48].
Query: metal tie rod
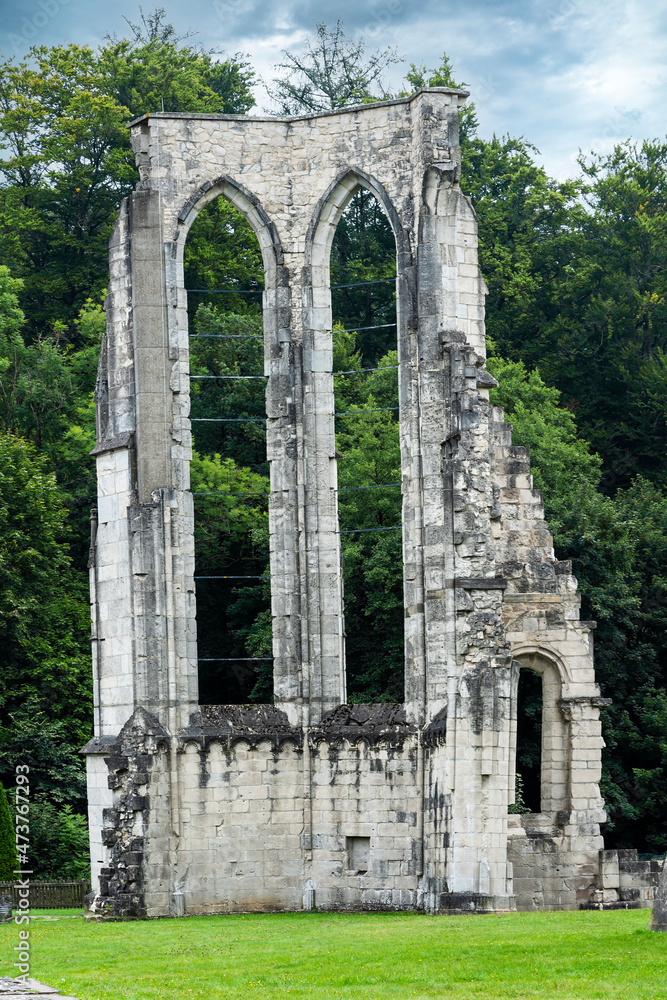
[343, 489]
[350, 371]
[357, 284]
[262, 577]
[231, 659]
[355, 489]
[218, 493]
[229, 291]
[359, 531]
[356, 329]
[356, 413]
[259, 336]
[354, 371]
[257, 291]
[262, 420]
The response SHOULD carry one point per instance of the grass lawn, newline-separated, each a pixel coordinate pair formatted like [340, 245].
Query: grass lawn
[586, 955]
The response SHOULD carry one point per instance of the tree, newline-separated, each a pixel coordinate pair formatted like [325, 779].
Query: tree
[67, 159]
[8, 857]
[528, 239]
[154, 28]
[59, 843]
[443, 76]
[46, 398]
[606, 346]
[50, 748]
[66, 165]
[230, 481]
[44, 613]
[562, 463]
[333, 72]
[58, 826]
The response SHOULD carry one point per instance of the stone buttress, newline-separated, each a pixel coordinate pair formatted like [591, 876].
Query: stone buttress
[309, 801]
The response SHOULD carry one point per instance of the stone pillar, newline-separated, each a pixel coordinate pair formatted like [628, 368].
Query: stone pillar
[659, 911]
[468, 669]
[142, 558]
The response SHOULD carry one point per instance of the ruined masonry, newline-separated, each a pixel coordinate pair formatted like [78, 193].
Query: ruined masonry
[311, 802]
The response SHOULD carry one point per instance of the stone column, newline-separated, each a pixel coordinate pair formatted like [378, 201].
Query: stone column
[659, 912]
[468, 664]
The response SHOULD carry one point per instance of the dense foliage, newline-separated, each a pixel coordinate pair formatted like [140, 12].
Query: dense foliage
[8, 856]
[577, 323]
[67, 160]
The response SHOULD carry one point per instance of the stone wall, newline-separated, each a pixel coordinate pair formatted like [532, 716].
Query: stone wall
[310, 801]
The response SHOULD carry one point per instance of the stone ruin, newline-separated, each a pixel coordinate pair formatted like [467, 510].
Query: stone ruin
[311, 802]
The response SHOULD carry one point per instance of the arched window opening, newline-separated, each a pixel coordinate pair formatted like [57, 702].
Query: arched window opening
[542, 741]
[363, 271]
[528, 795]
[229, 472]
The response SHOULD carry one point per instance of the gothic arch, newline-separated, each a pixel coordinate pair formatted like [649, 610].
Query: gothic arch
[554, 783]
[331, 206]
[247, 204]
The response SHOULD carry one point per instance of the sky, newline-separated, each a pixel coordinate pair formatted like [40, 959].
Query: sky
[567, 75]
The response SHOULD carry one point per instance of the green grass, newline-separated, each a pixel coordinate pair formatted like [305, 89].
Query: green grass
[586, 955]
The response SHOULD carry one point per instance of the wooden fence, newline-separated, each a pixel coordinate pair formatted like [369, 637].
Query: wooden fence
[50, 895]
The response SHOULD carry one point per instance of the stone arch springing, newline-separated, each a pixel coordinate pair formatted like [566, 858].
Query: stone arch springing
[240, 680]
[553, 767]
[321, 236]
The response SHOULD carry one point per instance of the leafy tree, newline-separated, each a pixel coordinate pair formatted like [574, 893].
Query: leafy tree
[528, 238]
[158, 74]
[443, 76]
[51, 751]
[562, 463]
[605, 346]
[230, 480]
[58, 826]
[226, 344]
[46, 398]
[59, 845]
[44, 614]
[66, 165]
[333, 72]
[67, 159]
[8, 857]
[369, 458]
[619, 550]
[36, 388]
